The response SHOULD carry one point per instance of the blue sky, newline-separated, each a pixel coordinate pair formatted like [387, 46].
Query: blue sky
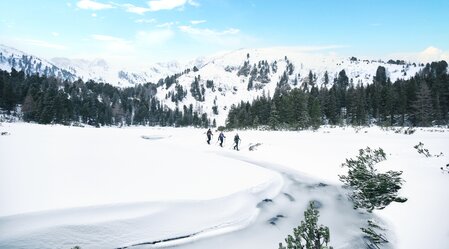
[137, 33]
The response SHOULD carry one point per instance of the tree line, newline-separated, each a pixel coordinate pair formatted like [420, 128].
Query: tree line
[49, 100]
[422, 100]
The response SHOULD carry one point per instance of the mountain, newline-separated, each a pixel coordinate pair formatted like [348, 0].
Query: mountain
[21, 61]
[212, 84]
[100, 71]
[220, 81]
[72, 69]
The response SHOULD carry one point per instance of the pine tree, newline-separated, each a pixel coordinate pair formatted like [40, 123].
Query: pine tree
[311, 78]
[28, 108]
[303, 115]
[326, 79]
[197, 91]
[381, 76]
[342, 80]
[331, 110]
[315, 114]
[273, 121]
[386, 106]
[423, 106]
[361, 106]
[9, 98]
[256, 122]
[250, 84]
[374, 234]
[308, 235]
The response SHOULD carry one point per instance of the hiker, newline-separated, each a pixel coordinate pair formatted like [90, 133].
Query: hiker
[209, 136]
[221, 137]
[236, 141]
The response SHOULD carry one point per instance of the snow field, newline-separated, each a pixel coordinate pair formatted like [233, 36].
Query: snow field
[54, 167]
[109, 187]
[72, 182]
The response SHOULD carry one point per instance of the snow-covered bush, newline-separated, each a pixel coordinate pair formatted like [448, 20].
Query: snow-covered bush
[370, 189]
[308, 235]
[421, 150]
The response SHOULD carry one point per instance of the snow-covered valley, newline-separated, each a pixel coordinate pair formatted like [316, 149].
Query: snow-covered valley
[144, 187]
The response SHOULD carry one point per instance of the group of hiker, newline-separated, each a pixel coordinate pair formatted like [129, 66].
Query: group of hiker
[221, 138]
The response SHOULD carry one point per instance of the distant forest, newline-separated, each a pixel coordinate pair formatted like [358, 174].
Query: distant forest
[48, 100]
[422, 100]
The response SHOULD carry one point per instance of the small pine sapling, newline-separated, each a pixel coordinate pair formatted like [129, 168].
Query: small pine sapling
[308, 235]
[421, 150]
[374, 235]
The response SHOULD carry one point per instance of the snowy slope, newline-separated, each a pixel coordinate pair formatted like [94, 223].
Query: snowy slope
[72, 69]
[231, 88]
[13, 58]
[100, 71]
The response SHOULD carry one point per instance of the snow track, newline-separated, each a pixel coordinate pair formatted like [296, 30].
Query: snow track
[280, 214]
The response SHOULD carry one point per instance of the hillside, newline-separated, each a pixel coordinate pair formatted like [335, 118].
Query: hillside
[246, 74]
[213, 84]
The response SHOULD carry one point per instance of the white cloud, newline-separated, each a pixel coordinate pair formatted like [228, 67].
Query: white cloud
[92, 5]
[156, 5]
[429, 54]
[94, 15]
[193, 3]
[152, 5]
[165, 25]
[7, 24]
[208, 32]
[55, 34]
[433, 54]
[135, 51]
[155, 37]
[135, 9]
[317, 48]
[114, 44]
[195, 22]
[44, 44]
[106, 38]
[230, 38]
[152, 20]
[143, 41]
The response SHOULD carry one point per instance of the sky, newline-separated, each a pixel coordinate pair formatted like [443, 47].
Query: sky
[137, 33]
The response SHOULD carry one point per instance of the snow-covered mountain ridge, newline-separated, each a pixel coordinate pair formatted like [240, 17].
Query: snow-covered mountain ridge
[212, 84]
[98, 70]
[21, 61]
